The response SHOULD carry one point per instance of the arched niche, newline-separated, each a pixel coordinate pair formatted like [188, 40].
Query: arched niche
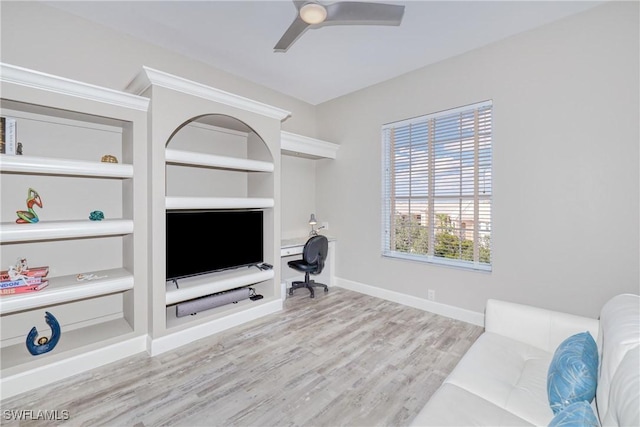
[224, 136]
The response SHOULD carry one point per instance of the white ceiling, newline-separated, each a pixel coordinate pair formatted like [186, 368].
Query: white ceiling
[324, 63]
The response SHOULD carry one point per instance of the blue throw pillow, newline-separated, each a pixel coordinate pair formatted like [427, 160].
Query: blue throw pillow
[573, 373]
[579, 414]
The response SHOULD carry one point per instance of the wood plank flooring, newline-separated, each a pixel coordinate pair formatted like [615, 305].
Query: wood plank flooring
[341, 359]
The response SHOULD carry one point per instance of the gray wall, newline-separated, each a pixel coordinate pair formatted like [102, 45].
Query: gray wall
[566, 156]
[37, 36]
[566, 160]
[43, 38]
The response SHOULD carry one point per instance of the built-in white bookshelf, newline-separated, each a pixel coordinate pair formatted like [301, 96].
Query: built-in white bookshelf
[66, 127]
[210, 149]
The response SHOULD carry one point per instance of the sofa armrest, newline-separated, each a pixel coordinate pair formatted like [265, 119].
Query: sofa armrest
[539, 327]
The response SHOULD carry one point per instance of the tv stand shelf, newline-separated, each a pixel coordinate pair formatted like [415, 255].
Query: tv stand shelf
[222, 317]
[207, 284]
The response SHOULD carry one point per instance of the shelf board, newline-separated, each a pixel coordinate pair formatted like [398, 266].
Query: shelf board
[54, 166]
[16, 358]
[207, 284]
[219, 315]
[53, 230]
[222, 162]
[67, 288]
[218, 203]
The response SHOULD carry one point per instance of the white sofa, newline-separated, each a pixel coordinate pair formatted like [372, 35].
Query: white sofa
[502, 379]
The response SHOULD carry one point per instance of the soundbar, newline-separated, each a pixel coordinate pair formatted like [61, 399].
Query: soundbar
[211, 301]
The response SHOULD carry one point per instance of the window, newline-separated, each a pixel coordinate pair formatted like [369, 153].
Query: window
[437, 187]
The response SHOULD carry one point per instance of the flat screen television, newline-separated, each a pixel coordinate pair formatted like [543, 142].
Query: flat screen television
[205, 241]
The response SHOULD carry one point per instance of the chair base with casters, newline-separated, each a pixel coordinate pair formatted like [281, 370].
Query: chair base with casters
[309, 284]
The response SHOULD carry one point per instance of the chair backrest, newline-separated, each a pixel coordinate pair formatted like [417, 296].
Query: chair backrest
[315, 252]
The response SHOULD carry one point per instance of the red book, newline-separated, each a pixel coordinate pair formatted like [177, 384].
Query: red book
[24, 289]
[20, 282]
[32, 272]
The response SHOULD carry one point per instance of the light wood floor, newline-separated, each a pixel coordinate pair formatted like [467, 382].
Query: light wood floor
[341, 359]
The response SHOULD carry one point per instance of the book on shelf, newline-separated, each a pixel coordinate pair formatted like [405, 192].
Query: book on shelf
[10, 135]
[24, 289]
[31, 272]
[20, 282]
[2, 127]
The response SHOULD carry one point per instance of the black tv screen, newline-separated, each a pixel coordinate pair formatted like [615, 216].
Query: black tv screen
[204, 241]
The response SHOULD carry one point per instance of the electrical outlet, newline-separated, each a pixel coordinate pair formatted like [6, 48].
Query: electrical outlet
[325, 225]
[431, 295]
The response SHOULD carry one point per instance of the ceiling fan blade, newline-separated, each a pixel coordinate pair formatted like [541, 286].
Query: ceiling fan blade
[351, 12]
[295, 30]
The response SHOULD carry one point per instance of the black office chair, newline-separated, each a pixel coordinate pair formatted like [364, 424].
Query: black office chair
[313, 256]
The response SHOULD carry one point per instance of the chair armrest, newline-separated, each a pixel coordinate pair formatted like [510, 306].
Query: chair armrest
[539, 327]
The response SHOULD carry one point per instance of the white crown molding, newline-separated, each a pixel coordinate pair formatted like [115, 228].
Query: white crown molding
[43, 81]
[149, 77]
[299, 144]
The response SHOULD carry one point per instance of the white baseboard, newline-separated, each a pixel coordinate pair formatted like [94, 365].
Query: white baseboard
[38, 377]
[450, 311]
[185, 336]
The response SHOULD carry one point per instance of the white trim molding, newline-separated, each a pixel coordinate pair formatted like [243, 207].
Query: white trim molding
[304, 145]
[149, 76]
[43, 81]
[450, 311]
[25, 381]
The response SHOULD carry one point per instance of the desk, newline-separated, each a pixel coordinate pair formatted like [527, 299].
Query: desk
[292, 249]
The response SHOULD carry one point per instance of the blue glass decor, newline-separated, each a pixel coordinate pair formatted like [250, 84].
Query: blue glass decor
[44, 344]
[96, 216]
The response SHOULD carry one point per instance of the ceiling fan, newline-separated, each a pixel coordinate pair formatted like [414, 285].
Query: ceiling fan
[313, 14]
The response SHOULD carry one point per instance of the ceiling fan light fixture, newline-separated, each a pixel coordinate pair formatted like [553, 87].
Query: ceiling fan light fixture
[313, 13]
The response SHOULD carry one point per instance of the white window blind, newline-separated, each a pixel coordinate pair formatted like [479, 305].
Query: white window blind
[437, 187]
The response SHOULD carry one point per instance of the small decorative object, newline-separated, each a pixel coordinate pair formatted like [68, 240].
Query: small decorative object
[96, 216]
[19, 149]
[19, 271]
[29, 216]
[44, 344]
[88, 276]
[108, 158]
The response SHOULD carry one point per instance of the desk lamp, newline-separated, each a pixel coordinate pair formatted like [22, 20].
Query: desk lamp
[312, 222]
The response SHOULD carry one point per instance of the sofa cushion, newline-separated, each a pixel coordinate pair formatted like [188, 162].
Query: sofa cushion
[618, 390]
[451, 405]
[507, 373]
[573, 373]
[577, 414]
